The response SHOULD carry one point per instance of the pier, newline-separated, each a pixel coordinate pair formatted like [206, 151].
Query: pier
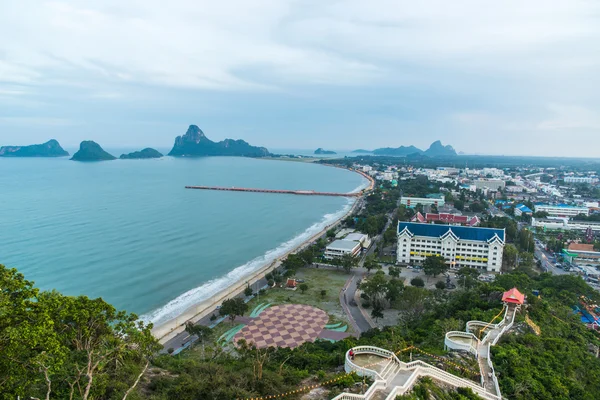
[297, 192]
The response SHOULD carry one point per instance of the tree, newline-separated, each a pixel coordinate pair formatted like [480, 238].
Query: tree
[323, 293]
[233, 308]
[248, 291]
[394, 271]
[440, 285]
[303, 287]
[417, 282]
[377, 311]
[371, 264]
[348, 262]
[467, 277]
[509, 256]
[375, 288]
[331, 233]
[52, 345]
[459, 205]
[202, 332]
[434, 265]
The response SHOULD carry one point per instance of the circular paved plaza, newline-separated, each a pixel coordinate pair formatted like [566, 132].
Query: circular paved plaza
[288, 325]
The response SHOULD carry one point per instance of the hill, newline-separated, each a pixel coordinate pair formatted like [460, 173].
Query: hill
[91, 151]
[401, 151]
[322, 151]
[145, 153]
[361, 151]
[438, 149]
[49, 149]
[194, 144]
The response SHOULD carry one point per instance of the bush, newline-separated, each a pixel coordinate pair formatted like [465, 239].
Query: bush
[366, 304]
[418, 282]
[262, 291]
[440, 285]
[213, 317]
[170, 350]
[269, 276]
[270, 282]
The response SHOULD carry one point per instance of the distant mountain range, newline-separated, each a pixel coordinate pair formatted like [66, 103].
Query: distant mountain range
[436, 149]
[321, 151]
[194, 144]
[361, 151]
[49, 149]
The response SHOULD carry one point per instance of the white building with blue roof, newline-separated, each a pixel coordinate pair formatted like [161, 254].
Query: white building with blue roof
[461, 246]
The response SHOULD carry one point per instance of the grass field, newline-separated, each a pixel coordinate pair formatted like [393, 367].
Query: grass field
[317, 280]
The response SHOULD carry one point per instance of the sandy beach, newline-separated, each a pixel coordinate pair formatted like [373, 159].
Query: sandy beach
[171, 328]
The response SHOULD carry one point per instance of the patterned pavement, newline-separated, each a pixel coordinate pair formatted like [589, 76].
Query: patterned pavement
[287, 325]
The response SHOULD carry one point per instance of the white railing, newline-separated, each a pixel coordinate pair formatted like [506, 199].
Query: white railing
[494, 378]
[419, 369]
[455, 345]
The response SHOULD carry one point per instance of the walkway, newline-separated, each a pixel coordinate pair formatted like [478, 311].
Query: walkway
[392, 377]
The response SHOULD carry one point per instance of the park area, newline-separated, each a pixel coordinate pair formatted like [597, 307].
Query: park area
[323, 292]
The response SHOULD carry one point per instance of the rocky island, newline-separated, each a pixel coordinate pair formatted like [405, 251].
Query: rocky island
[146, 153]
[49, 149]
[194, 144]
[435, 150]
[91, 151]
[321, 151]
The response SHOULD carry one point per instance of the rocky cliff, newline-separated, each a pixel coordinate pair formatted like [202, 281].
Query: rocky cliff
[49, 149]
[194, 143]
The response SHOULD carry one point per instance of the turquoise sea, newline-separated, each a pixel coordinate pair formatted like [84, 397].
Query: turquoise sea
[128, 231]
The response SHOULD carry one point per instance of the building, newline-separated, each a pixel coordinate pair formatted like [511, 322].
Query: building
[340, 248]
[562, 210]
[461, 246]
[412, 202]
[513, 296]
[580, 179]
[565, 225]
[492, 184]
[521, 209]
[446, 218]
[581, 253]
[361, 238]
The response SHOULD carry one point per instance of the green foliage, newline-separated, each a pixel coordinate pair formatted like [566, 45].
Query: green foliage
[323, 293]
[417, 282]
[348, 262]
[248, 291]
[370, 264]
[233, 308]
[434, 265]
[394, 271]
[440, 285]
[303, 287]
[58, 346]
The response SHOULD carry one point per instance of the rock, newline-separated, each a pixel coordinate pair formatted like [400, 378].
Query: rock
[321, 151]
[49, 149]
[401, 151]
[145, 153]
[437, 149]
[91, 151]
[194, 143]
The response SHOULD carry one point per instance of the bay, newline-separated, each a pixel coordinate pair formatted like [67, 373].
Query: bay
[128, 231]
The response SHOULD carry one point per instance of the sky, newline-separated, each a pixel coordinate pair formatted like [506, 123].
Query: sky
[507, 77]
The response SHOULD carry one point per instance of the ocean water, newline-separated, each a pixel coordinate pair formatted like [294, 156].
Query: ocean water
[128, 231]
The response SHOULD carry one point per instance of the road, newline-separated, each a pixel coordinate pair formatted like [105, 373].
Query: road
[546, 260]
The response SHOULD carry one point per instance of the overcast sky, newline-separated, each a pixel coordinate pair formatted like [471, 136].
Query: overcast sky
[489, 77]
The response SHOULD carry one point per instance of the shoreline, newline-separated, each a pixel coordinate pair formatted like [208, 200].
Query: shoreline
[169, 329]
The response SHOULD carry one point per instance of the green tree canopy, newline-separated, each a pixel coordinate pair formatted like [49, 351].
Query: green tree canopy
[435, 265]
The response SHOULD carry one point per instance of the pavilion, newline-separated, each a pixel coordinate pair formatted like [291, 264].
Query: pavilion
[513, 296]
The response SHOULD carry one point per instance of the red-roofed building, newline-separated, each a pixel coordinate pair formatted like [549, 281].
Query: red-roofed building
[446, 218]
[513, 296]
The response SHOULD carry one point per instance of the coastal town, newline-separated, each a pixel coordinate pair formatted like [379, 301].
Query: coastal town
[440, 229]
[299, 200]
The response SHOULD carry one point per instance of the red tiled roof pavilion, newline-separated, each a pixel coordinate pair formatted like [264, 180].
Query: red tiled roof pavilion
[513, 296]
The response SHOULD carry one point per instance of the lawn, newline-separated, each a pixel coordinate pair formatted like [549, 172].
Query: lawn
[332, 281]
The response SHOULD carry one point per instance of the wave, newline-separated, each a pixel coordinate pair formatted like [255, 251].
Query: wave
[194, 296]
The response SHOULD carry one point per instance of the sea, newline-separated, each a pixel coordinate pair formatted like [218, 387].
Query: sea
[129, 232]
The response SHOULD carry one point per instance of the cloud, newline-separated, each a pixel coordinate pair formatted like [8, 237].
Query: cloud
[433, 67]
[570, 117]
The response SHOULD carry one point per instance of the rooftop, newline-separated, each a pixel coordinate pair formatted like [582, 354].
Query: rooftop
[462, 232]
[343, 245]
[513, 296]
